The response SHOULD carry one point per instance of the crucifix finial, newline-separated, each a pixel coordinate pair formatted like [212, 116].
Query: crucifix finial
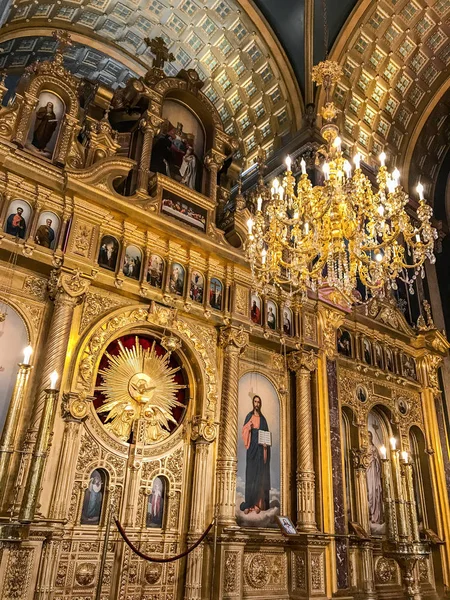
[64, 40]
[158, 47]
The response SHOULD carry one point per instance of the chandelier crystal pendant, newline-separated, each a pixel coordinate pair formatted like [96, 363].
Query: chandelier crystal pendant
[344, 231]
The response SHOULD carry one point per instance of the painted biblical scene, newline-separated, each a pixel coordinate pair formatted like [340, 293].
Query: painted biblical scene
[45, 125]
[185, 211]
[259, 477]
[377, 437]
[155, 506]
[132, 262]
[18, 218]
[93, 499]
[215, 293]
[155, 271]
[47, 230]
[344, 342]
[108, 253]
[13, 340]
[197, 287]
[178, 150]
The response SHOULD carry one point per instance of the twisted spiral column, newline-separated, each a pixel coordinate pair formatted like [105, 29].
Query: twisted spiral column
[144, 159]
[303, 363]
[233, 342]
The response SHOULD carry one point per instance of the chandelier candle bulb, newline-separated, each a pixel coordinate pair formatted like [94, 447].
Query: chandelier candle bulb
[263, 256]
[303, 166]
[288, 163]
[393, 443]
[383, 452]
[381, 210]
[250, 226]
[27, 355]
[396, 176]
[53, 379]
[420, 191]
[326, 171]
[404, 456]
[259, 204]
[306, 228]
[357, 160]
[347, 169]
[383, 159]
[337, 143]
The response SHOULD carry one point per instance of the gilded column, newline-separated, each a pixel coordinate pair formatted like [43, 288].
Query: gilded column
[303, 363]
[233, 342]
[203, 433]
[213, 161]
[144, 160]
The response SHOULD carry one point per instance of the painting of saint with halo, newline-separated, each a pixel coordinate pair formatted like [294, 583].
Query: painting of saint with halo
[258, 482]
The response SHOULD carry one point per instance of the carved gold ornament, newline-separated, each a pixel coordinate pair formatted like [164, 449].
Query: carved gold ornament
[139, 384]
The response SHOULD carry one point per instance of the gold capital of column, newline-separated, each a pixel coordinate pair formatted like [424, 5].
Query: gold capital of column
[330, 320]
[231, 338]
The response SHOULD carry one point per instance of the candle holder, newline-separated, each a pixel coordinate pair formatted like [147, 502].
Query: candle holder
[402, 541]
[12, 421]
[37, 463]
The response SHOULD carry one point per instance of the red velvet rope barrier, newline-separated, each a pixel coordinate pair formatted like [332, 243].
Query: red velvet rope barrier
[161, 560]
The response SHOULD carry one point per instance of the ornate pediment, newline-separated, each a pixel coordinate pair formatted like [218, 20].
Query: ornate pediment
[386, 312]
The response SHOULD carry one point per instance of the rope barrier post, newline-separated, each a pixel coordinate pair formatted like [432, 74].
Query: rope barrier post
[98, 591]
[216, 524]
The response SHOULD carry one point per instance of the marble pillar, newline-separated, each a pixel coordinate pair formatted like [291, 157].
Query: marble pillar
[233, 342]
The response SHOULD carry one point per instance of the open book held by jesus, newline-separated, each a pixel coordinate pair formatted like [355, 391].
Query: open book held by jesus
[264, 437]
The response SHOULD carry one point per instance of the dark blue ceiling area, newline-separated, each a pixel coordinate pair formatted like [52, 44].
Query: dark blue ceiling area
[286, 18]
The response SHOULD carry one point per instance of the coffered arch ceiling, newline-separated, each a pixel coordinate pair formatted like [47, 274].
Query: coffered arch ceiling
[245, 69]
[395, 55]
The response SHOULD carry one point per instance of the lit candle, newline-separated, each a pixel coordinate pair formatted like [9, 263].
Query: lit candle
[405, 456]
[303, 166]
[288, 163]
[396, 175]
[347, 168]
[259, 203]
[378, 256]
[420, 191]
[27, 354]
[357, 160]
[391, 185]
[337, 143]
[381, 210]
[326, 170]
[276, 185]
[393, 442]
[53, 379]
[383, 452]
[263, 256]
[250, 226]
[383, 159]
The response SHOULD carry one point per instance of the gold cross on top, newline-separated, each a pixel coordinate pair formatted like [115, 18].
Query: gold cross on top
[159, 49]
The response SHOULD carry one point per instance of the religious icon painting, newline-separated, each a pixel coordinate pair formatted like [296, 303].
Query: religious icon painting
[287, 321]
[183, 210]
[378, 355]
[408, 367]
[108, 253]
[361, 393]
[132, 262]
[402, 406]
[93, 498]
[155, 505]
[344, 342]
[259, 473]
[215, 293]
[367, 351]
[47, 229]
[389, 360]
[377, 437]
[46, 124]
[196, 287]
[18, 218]
[155, 271]
[255, 309]
[286, 525]
[272, 312]
[176, 279]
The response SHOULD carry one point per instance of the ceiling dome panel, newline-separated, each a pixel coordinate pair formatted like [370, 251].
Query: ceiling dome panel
[245, 74]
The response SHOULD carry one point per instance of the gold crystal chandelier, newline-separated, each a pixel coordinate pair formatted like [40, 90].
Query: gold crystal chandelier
[332, 235]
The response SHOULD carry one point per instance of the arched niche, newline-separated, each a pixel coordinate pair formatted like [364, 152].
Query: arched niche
[92, 508]
[157, 503]
[14, 337]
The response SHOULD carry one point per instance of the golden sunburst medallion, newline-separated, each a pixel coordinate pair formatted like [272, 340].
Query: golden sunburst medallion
[139, 384]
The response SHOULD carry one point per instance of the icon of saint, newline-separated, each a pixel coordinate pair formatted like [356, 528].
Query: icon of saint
[155, 507]
[93, 498]
[107, 256]
[255, 313]
[257, 469]
[188, 169]
[374, 484]
[16, 225]
[271, 319]
[46, 123]
[45, 234]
